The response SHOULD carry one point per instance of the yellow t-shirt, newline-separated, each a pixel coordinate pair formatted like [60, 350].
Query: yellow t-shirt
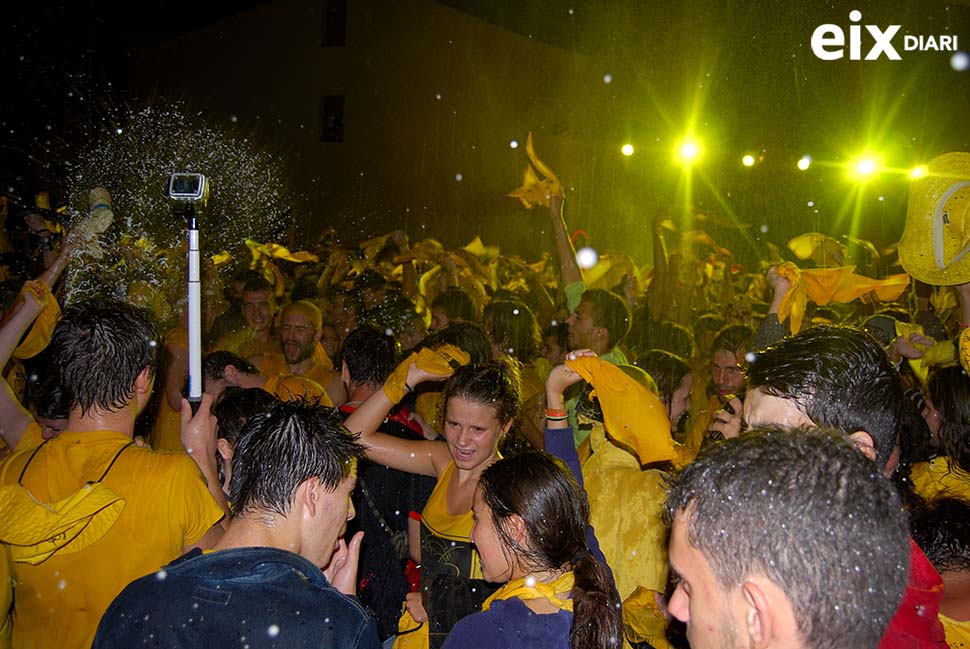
[244, 344]
[59, 602]
[167, 430]
[939, 475]
[276, 364]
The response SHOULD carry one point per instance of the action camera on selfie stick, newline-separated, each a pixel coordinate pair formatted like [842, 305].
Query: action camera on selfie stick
[190, 193]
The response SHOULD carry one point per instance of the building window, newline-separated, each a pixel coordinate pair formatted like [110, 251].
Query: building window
[335, 24]
[332, 118]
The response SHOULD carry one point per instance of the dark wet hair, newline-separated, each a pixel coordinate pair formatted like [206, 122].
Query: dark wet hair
[540, 490]
[49, 398]
[237, 406]
[469, 336]
[278, 451]
[949, 387]
[835, 525]
[456, 304]
[495, 384]
[609, 311]
[370, 356]
[941, 528]
[667, 370]
[733, 338]
[214, 364]
[513, 328]
[99, 347]
[839, 377]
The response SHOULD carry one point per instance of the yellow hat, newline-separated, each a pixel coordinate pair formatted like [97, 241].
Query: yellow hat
[936, 240]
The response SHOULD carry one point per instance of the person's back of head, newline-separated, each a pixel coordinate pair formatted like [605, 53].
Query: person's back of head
[800, 511]
[941, 528]
[840, 378]
[611, 312]
[236, 407]
[538, 490]
[734, 338]
[468, 336]
[279, 450]
[369, 355]
[100, 348]
[457, 305]
[949, 389]
[215, 363]
[667, 370]
[513, 329]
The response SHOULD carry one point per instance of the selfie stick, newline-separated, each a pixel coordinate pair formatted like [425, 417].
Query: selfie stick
[195, 315]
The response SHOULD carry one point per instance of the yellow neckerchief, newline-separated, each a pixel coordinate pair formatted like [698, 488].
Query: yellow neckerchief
[537, 590]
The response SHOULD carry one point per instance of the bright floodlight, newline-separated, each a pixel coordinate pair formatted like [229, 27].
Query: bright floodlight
[805, 162]
[865, 166]
[748, 161]
[626, 149]
[918, 172]
[689, 151]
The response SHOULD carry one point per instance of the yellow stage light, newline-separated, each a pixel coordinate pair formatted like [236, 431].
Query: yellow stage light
[918, 172]
[626, 149]
[748, 160]
[863, 168]
[805, 162]
[688, 151]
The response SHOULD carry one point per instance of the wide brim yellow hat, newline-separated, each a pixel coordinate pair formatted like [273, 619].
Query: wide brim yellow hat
[935, 247]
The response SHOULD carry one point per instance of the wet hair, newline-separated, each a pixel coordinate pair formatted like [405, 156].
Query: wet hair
[513, 328]
[468, 336]
[733, 338]
[456, 304]
[237, 406]
[396, 313]
[370, 356]
[99, 348]
[540, 490]
[49, 399]
[667, 369]
[839, 378]
[258, 283]
[836, 526]
[707, 323]
[214, 365]
[609, 311]
[941, 528]
[493, 383]
[279, 450]
[949, 387]
[305, 288]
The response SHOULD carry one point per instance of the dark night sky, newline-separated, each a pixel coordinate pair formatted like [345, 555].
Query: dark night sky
[65, 67]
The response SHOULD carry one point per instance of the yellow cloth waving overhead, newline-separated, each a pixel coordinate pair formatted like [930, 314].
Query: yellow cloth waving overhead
[535, 191]
[632, 415]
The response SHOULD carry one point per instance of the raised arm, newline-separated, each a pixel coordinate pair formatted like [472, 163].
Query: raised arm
[14, 418]
[568, 266]
[414, 456]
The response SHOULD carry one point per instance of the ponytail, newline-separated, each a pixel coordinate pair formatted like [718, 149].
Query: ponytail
[597, 616]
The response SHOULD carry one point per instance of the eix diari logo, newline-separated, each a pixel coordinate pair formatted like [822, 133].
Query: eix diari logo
[828, 41]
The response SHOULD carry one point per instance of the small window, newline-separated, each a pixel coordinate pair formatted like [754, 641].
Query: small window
[335, 24]
[332, 113]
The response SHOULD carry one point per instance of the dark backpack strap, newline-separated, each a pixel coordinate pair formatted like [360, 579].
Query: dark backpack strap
[29, 460]
[117, 455]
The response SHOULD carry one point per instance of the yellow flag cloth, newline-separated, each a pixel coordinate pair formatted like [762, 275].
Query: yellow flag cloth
[825, 285]
[528, 588]
[221, 258]
[535, 191]
[965, 350]
[34, 530]
[444, 361]
[643, 621]
[632, 415]
[40, 332]
[939, 353]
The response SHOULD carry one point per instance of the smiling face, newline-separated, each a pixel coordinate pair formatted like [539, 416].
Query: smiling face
[258, 309]
[699, 601]
[473, 431]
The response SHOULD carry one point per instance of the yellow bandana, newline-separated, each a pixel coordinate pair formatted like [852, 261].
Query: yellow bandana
[528, 588]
